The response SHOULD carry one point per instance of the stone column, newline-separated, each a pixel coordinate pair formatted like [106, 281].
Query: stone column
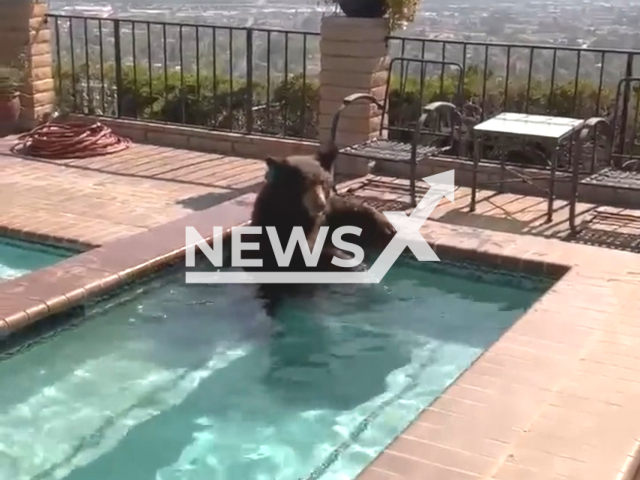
[353, 59]
[24, 29]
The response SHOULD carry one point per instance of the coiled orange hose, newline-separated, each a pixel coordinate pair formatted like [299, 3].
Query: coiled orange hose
[70, 140]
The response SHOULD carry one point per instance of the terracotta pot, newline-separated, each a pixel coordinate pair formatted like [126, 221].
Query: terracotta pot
[363, 8]
[9, 113]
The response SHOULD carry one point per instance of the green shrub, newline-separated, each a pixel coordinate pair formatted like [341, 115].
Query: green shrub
[292, 109]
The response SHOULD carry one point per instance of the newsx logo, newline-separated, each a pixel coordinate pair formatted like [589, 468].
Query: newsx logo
[408, 235]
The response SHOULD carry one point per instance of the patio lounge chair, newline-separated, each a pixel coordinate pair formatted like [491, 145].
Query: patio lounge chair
[389, 150]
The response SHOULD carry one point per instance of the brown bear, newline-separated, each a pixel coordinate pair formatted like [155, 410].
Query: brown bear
[298, 193]
[295, 194]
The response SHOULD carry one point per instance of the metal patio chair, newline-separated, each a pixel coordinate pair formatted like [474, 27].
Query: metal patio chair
[388, 150]
[621, 172]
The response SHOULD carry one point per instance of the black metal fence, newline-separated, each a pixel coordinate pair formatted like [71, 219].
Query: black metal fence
[251, 80]
[264, 81]
[537, 79]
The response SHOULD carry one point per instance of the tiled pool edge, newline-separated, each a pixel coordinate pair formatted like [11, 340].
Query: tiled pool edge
[35, 296]
[88, 275]
[71, 282]
[631, 468]
[46, 239]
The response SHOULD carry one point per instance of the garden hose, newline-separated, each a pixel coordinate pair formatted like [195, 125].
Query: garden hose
[70, 140]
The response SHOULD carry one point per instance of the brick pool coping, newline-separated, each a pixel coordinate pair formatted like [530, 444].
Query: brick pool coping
[45, 238]
[554, 398]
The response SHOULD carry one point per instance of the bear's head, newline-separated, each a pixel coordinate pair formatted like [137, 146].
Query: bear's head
[298, 182]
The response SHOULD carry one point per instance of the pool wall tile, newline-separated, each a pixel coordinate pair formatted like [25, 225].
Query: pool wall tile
[4, 328]
[46, 238]
[407, 466]
[15, 310]
[450, 458]
[631, 465]
[99, 286]
[472, 440]
[76, 296]
[377, 474]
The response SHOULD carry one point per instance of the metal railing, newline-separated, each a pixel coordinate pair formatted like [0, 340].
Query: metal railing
[239, 79]
[264, 81]
[537, 79]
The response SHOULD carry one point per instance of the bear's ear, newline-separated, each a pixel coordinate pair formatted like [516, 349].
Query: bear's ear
[271, 162]
[273, 165]
[326, 155]
[276, 162]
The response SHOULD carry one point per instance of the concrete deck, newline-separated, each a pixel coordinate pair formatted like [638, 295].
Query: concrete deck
[96, 200]
[615, 228]
[557, 397]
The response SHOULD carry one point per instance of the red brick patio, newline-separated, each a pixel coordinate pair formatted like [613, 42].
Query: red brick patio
[92, 201]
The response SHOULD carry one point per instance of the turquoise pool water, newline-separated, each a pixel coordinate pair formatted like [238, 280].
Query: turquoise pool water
[18, 258]
[187, 382]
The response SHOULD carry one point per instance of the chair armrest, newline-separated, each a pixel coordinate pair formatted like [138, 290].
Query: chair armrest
[436, 107]
[590, 126]
[345, 103]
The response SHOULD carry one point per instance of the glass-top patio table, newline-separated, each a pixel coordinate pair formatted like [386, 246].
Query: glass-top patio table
[508, 128]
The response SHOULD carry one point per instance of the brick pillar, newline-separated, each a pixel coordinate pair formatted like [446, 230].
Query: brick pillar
[353, 59]
[23, 29]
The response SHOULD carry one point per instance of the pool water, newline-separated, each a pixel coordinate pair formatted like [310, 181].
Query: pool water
[18, 257]
[194, 382]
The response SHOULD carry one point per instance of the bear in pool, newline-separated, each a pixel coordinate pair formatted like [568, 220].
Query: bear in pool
[298, 192]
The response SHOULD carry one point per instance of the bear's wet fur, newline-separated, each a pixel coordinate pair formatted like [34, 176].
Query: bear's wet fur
[298, 192]
[295, 194]
[376, 232]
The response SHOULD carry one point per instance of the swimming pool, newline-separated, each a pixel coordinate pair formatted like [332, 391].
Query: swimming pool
[18, 257]
[182, 382]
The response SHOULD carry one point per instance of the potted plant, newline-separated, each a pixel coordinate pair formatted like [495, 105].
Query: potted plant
[399, 12]
[11, 78]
